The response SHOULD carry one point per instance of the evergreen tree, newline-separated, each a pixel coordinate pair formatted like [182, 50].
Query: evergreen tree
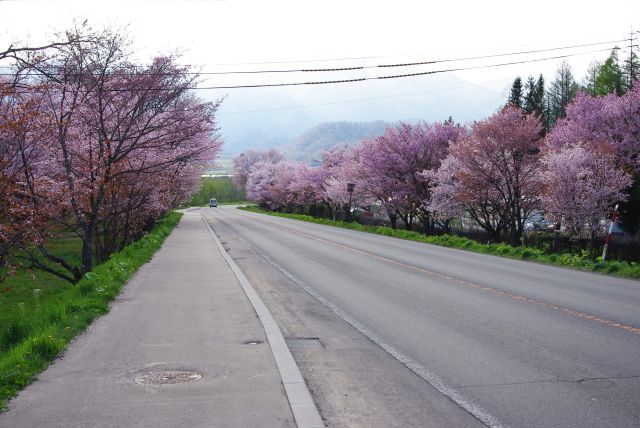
[515, 97]
[529, 97]
[610, 79]
[534, 99]
[562, 91]
[589, 81]
[539, 103]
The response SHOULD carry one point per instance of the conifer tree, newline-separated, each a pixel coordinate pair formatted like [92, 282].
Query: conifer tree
[562, 91]
[529, 97]
[610, 79]
[534, 98]
[589, 80]
[515, 97]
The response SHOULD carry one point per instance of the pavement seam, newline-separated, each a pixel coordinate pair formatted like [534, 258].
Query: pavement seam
[305, 411]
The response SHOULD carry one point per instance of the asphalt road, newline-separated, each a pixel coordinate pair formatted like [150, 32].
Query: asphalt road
[512, 343]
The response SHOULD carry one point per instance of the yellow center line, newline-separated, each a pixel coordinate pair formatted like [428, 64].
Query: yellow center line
[473, 285]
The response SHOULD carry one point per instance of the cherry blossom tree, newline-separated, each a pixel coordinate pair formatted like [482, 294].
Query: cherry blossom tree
[493, 173]
[453, 196]
[609, 118]
[343, 165]
[582, 183]
[268, 184]
[307, 185]
[395, 163]
[24, 189]
[243, 164]
[615, 121]
[126, 143]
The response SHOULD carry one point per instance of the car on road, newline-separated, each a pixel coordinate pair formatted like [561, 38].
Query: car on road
[213, 203]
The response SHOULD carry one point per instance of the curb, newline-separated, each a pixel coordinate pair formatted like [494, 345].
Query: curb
[304, 409]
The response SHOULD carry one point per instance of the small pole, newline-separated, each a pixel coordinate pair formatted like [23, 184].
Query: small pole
[606, 242]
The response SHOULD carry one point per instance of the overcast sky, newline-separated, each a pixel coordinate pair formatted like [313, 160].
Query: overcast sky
[223, 35]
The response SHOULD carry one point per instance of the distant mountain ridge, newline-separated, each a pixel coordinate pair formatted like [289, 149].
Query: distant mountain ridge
[310, 144]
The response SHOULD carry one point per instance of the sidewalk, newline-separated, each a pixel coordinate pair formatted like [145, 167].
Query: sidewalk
[183, 312]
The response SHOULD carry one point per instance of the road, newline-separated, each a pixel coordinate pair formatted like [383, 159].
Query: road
[511, 343]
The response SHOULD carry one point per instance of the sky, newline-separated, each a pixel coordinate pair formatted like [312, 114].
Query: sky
[246, 35]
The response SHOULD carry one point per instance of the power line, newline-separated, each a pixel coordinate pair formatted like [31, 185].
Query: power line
[397, 76]
[429, 62]
[355, 68]
[361, 79]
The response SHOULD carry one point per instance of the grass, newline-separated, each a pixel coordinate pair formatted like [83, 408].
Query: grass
[26, 289]
[576, 261]
[36, 326]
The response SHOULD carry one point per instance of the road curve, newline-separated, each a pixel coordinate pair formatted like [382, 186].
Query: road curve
[518, 343]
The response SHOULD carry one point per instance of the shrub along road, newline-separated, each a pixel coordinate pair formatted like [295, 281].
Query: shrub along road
[511, 342]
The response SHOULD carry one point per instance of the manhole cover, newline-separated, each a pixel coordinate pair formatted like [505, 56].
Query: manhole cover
[304, 344]
[167, 378]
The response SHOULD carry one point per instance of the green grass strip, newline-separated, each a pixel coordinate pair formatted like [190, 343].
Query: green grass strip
[37, 335]
[575, 261]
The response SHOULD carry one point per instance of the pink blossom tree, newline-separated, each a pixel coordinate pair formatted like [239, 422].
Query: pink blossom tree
[25, 190]
[125, 141]
[269, 184]
[493, 173]
[615, 121]
[395, 163]
[341, 166]
[243, 164]
[307, 185]
[582, 183]
[610, 118]
[444, 204]
[454, 197]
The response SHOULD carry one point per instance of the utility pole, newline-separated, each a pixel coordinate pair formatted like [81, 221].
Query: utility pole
[631, 76]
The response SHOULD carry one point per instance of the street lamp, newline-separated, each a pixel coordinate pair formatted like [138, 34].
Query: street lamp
[350, 187]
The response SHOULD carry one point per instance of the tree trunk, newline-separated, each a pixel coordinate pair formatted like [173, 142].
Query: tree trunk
[393, 219]
[87, 252]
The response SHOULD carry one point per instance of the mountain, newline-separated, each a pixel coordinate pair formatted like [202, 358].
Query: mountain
[261, 118]
[311, 143]
[247, 120]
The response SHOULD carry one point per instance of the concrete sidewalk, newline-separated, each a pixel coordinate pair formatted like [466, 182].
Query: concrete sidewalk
[182, 312]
